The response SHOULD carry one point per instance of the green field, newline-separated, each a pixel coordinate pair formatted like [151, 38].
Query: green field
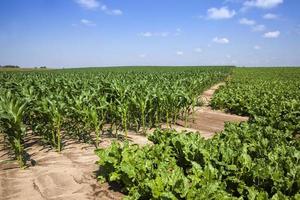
[80, 102]
[258, 159]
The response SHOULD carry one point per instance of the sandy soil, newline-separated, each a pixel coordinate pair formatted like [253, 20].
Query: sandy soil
[71, 174]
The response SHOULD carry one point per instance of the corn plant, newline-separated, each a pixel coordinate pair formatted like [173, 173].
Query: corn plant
[51, 112]
[12, 111]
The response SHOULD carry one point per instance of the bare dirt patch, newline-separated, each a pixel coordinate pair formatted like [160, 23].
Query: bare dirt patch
[70, 174]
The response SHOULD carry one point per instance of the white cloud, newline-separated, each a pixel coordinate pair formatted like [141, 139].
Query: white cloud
[246, 21]
[146, 34]
[179, 53]
[274, 34]
[142, 55]
[221, 13]
[108, 11]
[198, 50]
[87, 22]
[221, 40]
[152, 34]
[88, 4]
[265, 4]
[257, 47]
[94, 5]
[270, 16]
[259, 28]
[116, 12]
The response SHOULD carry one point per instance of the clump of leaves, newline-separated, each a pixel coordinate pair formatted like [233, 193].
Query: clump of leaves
[12, 112]
[245, 160]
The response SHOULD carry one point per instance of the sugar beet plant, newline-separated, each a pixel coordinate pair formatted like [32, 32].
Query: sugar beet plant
[258, 159]
[80, 103]
[268, 96]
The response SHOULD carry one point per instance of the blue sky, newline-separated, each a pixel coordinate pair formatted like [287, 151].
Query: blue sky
[81, 33]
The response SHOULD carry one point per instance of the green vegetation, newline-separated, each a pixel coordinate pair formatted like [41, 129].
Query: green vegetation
[259, 159]
[79, 103]
[12, 112]
[269, 96]
[9, 66]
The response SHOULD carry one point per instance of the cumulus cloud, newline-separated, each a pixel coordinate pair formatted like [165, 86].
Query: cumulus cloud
[221, 40]
[87, 22]
[246, 21]
[95, 5]
[259, 28]
[270, 16]
[220, 13]
[274, 34]
[179, 53]
[88, 4]
[255, 27]
[116, 12]
[108, 11]
[264, 4]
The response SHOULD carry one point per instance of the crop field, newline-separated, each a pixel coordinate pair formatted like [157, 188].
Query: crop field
[79, 103]
[256, 159]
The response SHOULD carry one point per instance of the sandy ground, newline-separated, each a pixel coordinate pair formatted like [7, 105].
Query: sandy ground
[71, 174]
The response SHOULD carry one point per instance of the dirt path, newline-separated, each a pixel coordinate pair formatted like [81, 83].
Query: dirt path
[71, 174]
[208, 121]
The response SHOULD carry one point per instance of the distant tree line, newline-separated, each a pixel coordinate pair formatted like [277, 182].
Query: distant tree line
[9, 66]
[16, 66]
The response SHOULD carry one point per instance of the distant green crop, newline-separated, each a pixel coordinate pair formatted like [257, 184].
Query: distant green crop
[268, 96]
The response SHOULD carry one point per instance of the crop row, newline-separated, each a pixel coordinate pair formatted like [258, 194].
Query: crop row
[258, 159]
[79, 103]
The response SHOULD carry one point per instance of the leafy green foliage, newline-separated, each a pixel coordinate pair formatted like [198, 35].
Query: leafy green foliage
[268, 96]
[259, 159]
[245, 160]
[79, 103]
[12, 112]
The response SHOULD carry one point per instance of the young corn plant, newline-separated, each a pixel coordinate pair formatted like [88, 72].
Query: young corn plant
[94, 121]
[123, 112]
[52, 111]
[12, 112]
